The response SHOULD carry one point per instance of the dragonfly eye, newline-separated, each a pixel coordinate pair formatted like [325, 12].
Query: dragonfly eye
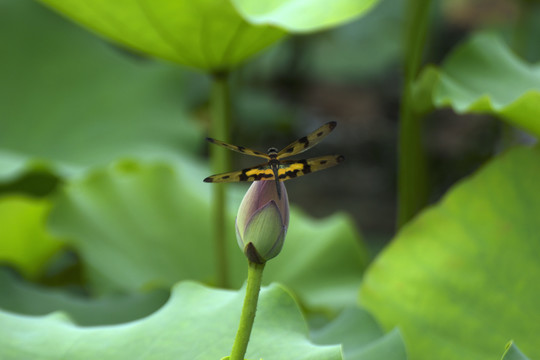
[272, 150]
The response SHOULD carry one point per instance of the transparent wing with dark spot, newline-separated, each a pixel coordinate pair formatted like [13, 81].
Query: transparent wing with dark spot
[290, 169]
[308, 141]
[240, 149]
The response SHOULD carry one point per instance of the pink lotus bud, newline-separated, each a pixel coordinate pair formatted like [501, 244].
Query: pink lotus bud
[262, 221]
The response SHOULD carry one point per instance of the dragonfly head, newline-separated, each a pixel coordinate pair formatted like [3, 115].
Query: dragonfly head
[272, 151]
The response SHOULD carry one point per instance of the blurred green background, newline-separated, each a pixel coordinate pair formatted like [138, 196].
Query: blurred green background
[102, 148]
[71, 102]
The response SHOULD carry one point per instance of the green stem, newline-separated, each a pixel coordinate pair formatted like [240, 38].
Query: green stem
[253, 288]
[523, 28]
[520, 37]
[412, 175]
[220, 159]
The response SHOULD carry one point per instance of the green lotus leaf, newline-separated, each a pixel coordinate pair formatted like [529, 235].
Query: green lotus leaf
[143, 225]
[512, 352]
[204, 34]
[69, 101]
[484, 76]
[196, 323]
[300, 16]
[29, 299]
[361, 337]
[462, 278]
[24, 241]
[322, 261]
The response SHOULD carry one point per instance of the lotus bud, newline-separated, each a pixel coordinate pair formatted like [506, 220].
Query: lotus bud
[262, 221]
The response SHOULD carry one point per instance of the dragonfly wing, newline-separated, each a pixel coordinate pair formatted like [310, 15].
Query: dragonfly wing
[254, 173]
[240, 149]
[290, 169]
[308, 141]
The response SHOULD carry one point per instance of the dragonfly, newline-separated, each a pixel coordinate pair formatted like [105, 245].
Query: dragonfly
[275, 168]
